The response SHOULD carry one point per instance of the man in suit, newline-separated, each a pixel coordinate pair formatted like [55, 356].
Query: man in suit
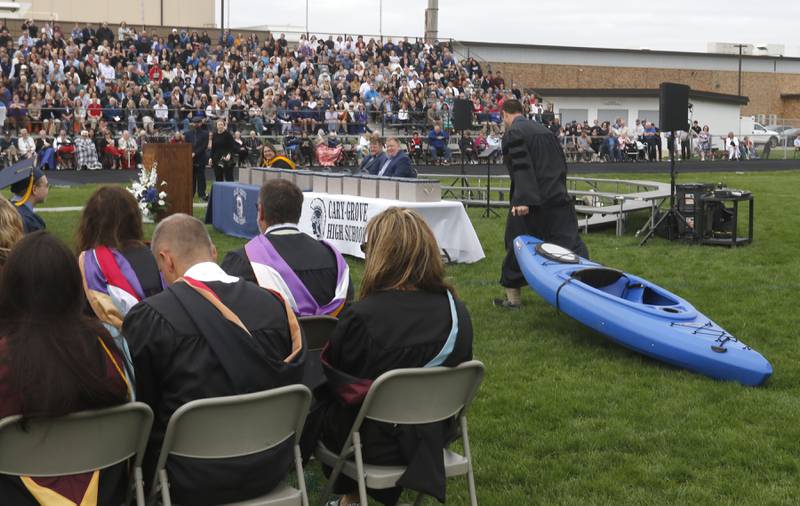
[373, 162]
[540, 204]
[397, 163]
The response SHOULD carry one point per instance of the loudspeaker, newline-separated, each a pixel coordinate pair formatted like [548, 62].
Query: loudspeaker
[462, 114]
[673, 107]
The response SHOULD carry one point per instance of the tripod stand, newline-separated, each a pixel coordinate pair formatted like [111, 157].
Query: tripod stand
[488, 212]
[673, 216]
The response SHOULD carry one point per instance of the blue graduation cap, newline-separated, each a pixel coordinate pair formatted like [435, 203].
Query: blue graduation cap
[20, 177]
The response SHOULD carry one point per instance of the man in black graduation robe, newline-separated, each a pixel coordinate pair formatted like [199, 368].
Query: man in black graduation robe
[540, 204]
[314, 263]
[208, 335]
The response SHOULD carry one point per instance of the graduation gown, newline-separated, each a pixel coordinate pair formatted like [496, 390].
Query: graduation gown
[383, 332]
[313, 262]
[109, 486]
[185, 349]
[31, 221]
[538, 171]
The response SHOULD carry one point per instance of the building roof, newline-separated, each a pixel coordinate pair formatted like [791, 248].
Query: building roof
[637, 92]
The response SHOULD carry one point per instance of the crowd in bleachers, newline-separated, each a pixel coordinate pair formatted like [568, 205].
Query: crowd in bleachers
[92, 82]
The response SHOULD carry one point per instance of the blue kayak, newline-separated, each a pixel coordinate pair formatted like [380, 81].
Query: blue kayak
[637, 314]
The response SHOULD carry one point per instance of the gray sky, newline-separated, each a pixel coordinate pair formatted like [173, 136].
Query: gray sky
[682, 25]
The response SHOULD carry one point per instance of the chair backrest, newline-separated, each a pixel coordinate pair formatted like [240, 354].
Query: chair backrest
[422, 395]
[237, 425]
[318, 330]
[77, 443]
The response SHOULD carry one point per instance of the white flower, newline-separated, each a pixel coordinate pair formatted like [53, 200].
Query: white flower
[161, 202]
[162, 196]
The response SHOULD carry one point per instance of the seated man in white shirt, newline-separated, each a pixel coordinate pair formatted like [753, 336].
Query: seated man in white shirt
[162, 113]
[26, 144]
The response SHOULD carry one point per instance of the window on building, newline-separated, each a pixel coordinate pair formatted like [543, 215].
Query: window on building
[570, 115]
[646, 115]
[611, 115]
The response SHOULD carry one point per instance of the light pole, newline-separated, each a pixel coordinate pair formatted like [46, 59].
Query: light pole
[380, 19]
[740, 46]
[306, 20]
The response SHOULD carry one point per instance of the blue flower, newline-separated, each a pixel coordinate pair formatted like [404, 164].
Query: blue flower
[151, 195]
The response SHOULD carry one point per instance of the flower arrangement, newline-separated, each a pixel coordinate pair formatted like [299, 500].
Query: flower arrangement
[145, 191]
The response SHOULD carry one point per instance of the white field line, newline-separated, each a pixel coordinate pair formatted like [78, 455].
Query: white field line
[75, 209]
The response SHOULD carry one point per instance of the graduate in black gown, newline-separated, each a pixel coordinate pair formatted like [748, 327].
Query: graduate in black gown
[207, 335]
[29, 187]
[540, 203]
[407, 316]
[310, 274]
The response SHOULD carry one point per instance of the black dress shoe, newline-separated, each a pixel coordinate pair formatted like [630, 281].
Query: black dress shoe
[204, 198]
[505, 304]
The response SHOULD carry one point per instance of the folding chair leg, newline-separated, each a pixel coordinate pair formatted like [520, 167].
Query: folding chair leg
[362, 485]
[301, 479]
[473, 498]
[139, 485]
[162, 479]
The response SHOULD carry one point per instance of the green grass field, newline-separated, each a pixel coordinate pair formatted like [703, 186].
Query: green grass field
[565, 417]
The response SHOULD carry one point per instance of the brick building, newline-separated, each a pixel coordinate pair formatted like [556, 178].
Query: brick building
[772, 83]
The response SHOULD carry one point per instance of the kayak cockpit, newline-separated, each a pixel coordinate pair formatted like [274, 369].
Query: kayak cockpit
[617, 284]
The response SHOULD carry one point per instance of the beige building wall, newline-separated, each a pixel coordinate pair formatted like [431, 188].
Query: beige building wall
[190, 13]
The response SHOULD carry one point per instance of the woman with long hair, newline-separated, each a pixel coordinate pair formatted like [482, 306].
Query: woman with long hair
[117, 266]
[11, 228]
[408, 315]
[55, 360]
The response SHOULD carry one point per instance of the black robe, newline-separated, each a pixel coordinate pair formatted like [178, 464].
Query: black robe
[313, 262]
[538, 171]
[383, 332]
[176, 362]
[144, 265]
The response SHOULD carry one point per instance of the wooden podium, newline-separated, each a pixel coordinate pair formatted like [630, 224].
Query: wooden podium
[174, 167]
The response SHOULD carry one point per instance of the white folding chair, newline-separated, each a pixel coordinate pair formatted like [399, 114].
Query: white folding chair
[409, 397]
[77, 443]
[235, 426]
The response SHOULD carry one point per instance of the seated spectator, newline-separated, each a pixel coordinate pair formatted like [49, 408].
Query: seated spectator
[240, 150]
[407, 316]
[55, 360]
[269, 158]
[129, 150]
[118, 268]
[437, 145]
[253, 146]
[86, 152]
[372, 163]
[584, 145]
[305, 150]
[329, 151]
[26, 146]
[310, 274]
[110, 154]
[65, 150]
[45, 154]
[467, 146]
[397, 163]
[11, 229]
[29, 187]
[209, 335]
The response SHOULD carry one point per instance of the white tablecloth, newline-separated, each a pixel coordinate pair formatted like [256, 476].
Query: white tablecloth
[342, 220]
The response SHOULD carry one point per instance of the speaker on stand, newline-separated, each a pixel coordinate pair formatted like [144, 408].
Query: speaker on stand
[462, 120]
[673, 115]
